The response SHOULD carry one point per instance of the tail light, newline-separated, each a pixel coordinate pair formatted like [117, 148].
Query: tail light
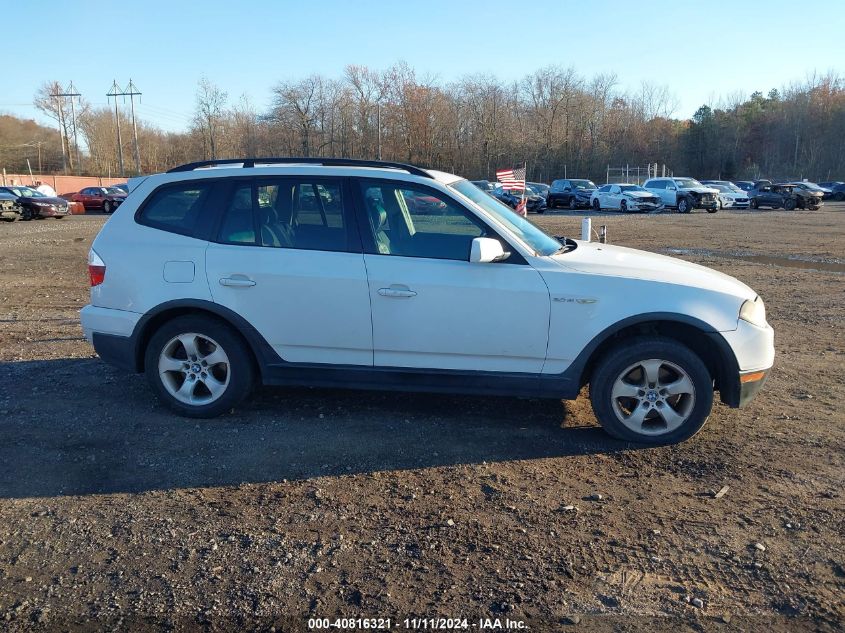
[96, 269]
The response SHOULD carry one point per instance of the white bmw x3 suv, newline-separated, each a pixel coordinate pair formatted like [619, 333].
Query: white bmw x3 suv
[219, 275]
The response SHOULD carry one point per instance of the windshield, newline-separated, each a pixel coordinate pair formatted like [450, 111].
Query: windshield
[583, 184]
[631, 188]
[722, 188]
[532, 235]
[687, 183]
[26, 192]
[117, 190]
[809, 185]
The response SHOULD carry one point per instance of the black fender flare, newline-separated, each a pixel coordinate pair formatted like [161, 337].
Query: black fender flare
[262, 351]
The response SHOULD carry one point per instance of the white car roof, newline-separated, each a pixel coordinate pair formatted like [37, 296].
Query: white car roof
[297, 169]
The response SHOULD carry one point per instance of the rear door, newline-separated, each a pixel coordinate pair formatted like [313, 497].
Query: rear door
[287, 258]
[431, 307]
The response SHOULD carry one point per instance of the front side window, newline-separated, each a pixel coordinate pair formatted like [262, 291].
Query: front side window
[656, 184]
[604, 189]
[411, 221]
[175, 208]
[286, 213]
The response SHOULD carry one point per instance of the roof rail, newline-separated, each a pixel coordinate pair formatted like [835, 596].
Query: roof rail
[327, 162]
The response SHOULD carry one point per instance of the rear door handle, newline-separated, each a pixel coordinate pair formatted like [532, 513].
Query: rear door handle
[396, 292]
[237, 281]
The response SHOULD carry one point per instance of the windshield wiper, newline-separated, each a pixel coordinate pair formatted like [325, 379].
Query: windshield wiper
[566, 244]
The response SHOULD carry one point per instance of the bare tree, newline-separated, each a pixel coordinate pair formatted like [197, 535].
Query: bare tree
[208, 116]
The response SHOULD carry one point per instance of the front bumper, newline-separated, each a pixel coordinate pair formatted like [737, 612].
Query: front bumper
[51, 211]
[750, 384]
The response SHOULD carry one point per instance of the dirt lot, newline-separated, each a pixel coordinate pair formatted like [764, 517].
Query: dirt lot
[318, 503]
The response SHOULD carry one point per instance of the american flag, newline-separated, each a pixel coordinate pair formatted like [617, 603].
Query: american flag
[512, 179]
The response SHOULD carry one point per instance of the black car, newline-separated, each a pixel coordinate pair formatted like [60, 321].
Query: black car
[484, 185]
[503, 195]
[541, 188]
[837, 189]
[35, 205]
[571, 192]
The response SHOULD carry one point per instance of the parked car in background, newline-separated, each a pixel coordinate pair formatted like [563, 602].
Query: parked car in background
[535, 201]
[806, 197]
[837, 189]
[574, 193]
[123, 186]
[542, 189]
[212, 281]
[10, 210]
[786, 196]
[503, 195]
[683, 194]
[745, 185]
[35, 205]
[813, 187]
[624, 197]
[484, 185]
[106, 199]
[730, 196]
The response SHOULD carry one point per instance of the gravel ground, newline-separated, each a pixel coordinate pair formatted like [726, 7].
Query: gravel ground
[324, 503]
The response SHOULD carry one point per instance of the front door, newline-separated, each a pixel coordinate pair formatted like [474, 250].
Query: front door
[287, 258]
[431, 307]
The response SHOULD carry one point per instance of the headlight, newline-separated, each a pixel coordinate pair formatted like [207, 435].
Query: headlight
[754, 312]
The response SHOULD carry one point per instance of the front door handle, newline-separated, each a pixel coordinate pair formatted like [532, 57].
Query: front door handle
[397, 292]
[237, 281]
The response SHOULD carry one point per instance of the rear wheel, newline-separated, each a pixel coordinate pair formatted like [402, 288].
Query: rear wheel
[198, 366]
[652, 390]
[573, 204]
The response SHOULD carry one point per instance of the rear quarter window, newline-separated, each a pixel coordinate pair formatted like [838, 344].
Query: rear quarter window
[175, 208]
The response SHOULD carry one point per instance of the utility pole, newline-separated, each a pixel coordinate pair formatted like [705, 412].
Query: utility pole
[114, 93]
[70, 91]
[378, 123]
[131, 91]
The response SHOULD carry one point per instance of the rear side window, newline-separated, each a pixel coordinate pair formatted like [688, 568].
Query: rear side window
[287, 213]
[175, 208]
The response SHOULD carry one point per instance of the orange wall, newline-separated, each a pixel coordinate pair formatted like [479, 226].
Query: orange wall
[62, 184]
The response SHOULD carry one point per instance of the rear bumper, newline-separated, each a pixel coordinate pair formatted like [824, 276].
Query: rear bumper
[118, 351]
[96, 320]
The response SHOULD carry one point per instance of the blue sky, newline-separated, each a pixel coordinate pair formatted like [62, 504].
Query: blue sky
[700, 50]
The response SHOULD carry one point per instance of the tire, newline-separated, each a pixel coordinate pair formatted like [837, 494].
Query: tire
[59, 217]
[753, 204]
[623, 206]
[107, 207]
[712, 210]
[667, 418]
[573, 203]
[217, 386]
[596, 205]
[789, 205]
[839, 196]
[684, 206]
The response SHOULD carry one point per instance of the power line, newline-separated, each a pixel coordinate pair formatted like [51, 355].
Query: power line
[130, 91]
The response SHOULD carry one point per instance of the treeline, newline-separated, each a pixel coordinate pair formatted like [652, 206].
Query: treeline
[554, 119]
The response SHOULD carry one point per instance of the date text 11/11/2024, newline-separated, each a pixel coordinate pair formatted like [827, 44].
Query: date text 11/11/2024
[416, 624]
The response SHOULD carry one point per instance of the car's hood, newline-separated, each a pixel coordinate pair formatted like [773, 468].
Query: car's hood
[639, 194]
[700, 189]
[48, 200]
[618, 261]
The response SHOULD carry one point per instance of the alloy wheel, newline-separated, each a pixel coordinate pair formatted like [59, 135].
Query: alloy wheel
[194, 368]
[653, 397]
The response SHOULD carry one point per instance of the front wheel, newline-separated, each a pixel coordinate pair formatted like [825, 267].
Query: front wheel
[651, 390]
[107, 207]
[623, 206]
[839, 196]
[789, 205]
[596, 205]
[754, 204]
[683, 206]
[713, 210]
[198, 366]
[573, 204]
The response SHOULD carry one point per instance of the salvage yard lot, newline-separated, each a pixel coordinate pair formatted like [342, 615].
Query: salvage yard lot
[323, 503]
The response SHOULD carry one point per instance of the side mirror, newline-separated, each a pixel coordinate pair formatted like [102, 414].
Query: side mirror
[671, 188]
[486, 250]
